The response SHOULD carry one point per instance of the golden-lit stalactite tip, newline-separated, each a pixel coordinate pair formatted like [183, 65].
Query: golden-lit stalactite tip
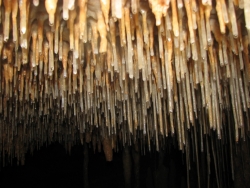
[51, 9]
[125, 70]
[107, 147]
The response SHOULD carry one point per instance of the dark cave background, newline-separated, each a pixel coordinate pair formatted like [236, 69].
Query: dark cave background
[52, 166]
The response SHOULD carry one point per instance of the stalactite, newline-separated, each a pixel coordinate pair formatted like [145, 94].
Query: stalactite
[132, 70]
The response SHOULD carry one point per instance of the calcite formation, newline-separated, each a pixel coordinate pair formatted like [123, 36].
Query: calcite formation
[123, 71]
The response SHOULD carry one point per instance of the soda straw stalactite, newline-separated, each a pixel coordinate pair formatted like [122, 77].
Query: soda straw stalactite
[128, 72]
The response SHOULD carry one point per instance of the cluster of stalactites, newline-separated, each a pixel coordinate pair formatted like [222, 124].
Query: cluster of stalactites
[104, 70]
